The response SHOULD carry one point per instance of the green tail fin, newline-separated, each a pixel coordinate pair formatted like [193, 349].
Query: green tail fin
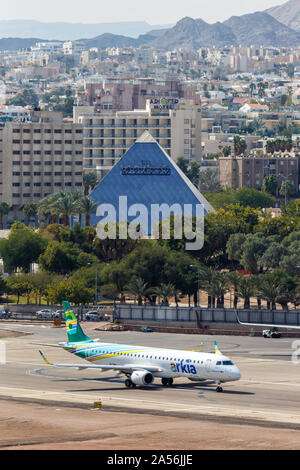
[74, 331]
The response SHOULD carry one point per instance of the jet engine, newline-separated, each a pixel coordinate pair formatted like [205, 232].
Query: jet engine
[142, 377]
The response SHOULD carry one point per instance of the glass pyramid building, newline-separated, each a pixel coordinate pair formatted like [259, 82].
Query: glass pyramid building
[145, 176]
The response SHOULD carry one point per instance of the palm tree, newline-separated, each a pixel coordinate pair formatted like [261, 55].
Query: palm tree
[46, 207]
[287, 190]
[269, 291]
[137, 287]
[233, 279]
[240, 145]
[205, 277]
[67, 205]
[246, 290]
[29, 211]
[218, 287]
[87, 207]
[89, 182]
[4, 210]
[165, 291]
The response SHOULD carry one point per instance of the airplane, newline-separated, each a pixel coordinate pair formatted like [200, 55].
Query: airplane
[140, 364]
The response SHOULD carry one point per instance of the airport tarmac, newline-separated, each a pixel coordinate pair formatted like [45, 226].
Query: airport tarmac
[265, 402]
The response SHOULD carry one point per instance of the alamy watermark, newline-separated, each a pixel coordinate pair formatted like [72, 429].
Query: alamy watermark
[159, 221]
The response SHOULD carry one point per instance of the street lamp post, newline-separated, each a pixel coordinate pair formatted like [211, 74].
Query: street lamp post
[96, 283]
[96, 287]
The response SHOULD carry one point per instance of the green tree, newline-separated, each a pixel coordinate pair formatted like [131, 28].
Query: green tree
[75, 291]
[4, 210]
[209, 181]
[287, 190]
[270, 184]
[246, 289]
[60, 258]
[273, 255]
[87, 206]
[89, 182]
[250, 197]
[138, 288]
[253, 248]
[226, 151]
[19, 285]
[240, 145]
[67, 205]
[29, 211]
[22, 248]
[233, 280]
[165, 291]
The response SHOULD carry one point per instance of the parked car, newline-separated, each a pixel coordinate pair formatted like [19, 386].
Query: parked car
[106, 317]
[93, 315]
[4, 313]
[59, 314]
[46, 313]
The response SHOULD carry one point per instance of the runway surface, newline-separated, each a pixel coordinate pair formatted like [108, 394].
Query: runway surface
[268, 392]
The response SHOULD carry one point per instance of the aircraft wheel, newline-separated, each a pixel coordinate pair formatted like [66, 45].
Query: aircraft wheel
[219, 389]
[129, 384]
[170, 382]
[165, 382]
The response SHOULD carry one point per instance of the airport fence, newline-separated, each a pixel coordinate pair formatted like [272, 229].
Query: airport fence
[206, 315]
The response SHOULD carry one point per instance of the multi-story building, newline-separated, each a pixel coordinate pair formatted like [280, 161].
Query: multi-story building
[250, 171]
[174, 124]
[120, 94]
[39, 158]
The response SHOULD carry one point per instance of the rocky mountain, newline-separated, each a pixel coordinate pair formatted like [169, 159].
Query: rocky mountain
[288, 14]
[192, 34]
[262, 29]
[258, 28]
[14, 44]
[110, 40]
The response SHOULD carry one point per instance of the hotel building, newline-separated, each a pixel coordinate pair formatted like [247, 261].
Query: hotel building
[175, 125]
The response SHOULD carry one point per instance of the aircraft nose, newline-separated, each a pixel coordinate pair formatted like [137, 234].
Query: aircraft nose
[236, 373]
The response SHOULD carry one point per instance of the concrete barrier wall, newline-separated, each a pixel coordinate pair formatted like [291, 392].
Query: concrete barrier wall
[184, 315]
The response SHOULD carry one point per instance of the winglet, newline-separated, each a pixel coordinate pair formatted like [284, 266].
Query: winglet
[217, 350]
[44, 358]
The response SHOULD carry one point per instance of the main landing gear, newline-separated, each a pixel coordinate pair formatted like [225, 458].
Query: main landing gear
[219, 389]
[167, 382]
[129, 384]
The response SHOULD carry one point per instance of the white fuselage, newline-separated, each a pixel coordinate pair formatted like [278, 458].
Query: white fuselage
[172, 363]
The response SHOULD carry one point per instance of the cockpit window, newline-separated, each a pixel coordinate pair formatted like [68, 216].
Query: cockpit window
[228, 363]
[219, 363]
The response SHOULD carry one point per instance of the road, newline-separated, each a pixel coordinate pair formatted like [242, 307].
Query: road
[267, 395]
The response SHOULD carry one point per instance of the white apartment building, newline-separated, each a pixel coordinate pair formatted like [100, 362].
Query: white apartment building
[174, 124]
[50, 47]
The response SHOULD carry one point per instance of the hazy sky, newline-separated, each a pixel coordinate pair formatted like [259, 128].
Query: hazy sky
[153, 11]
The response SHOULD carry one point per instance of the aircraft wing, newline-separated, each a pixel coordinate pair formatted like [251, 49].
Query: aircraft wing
[124, 368]
[291, 327]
